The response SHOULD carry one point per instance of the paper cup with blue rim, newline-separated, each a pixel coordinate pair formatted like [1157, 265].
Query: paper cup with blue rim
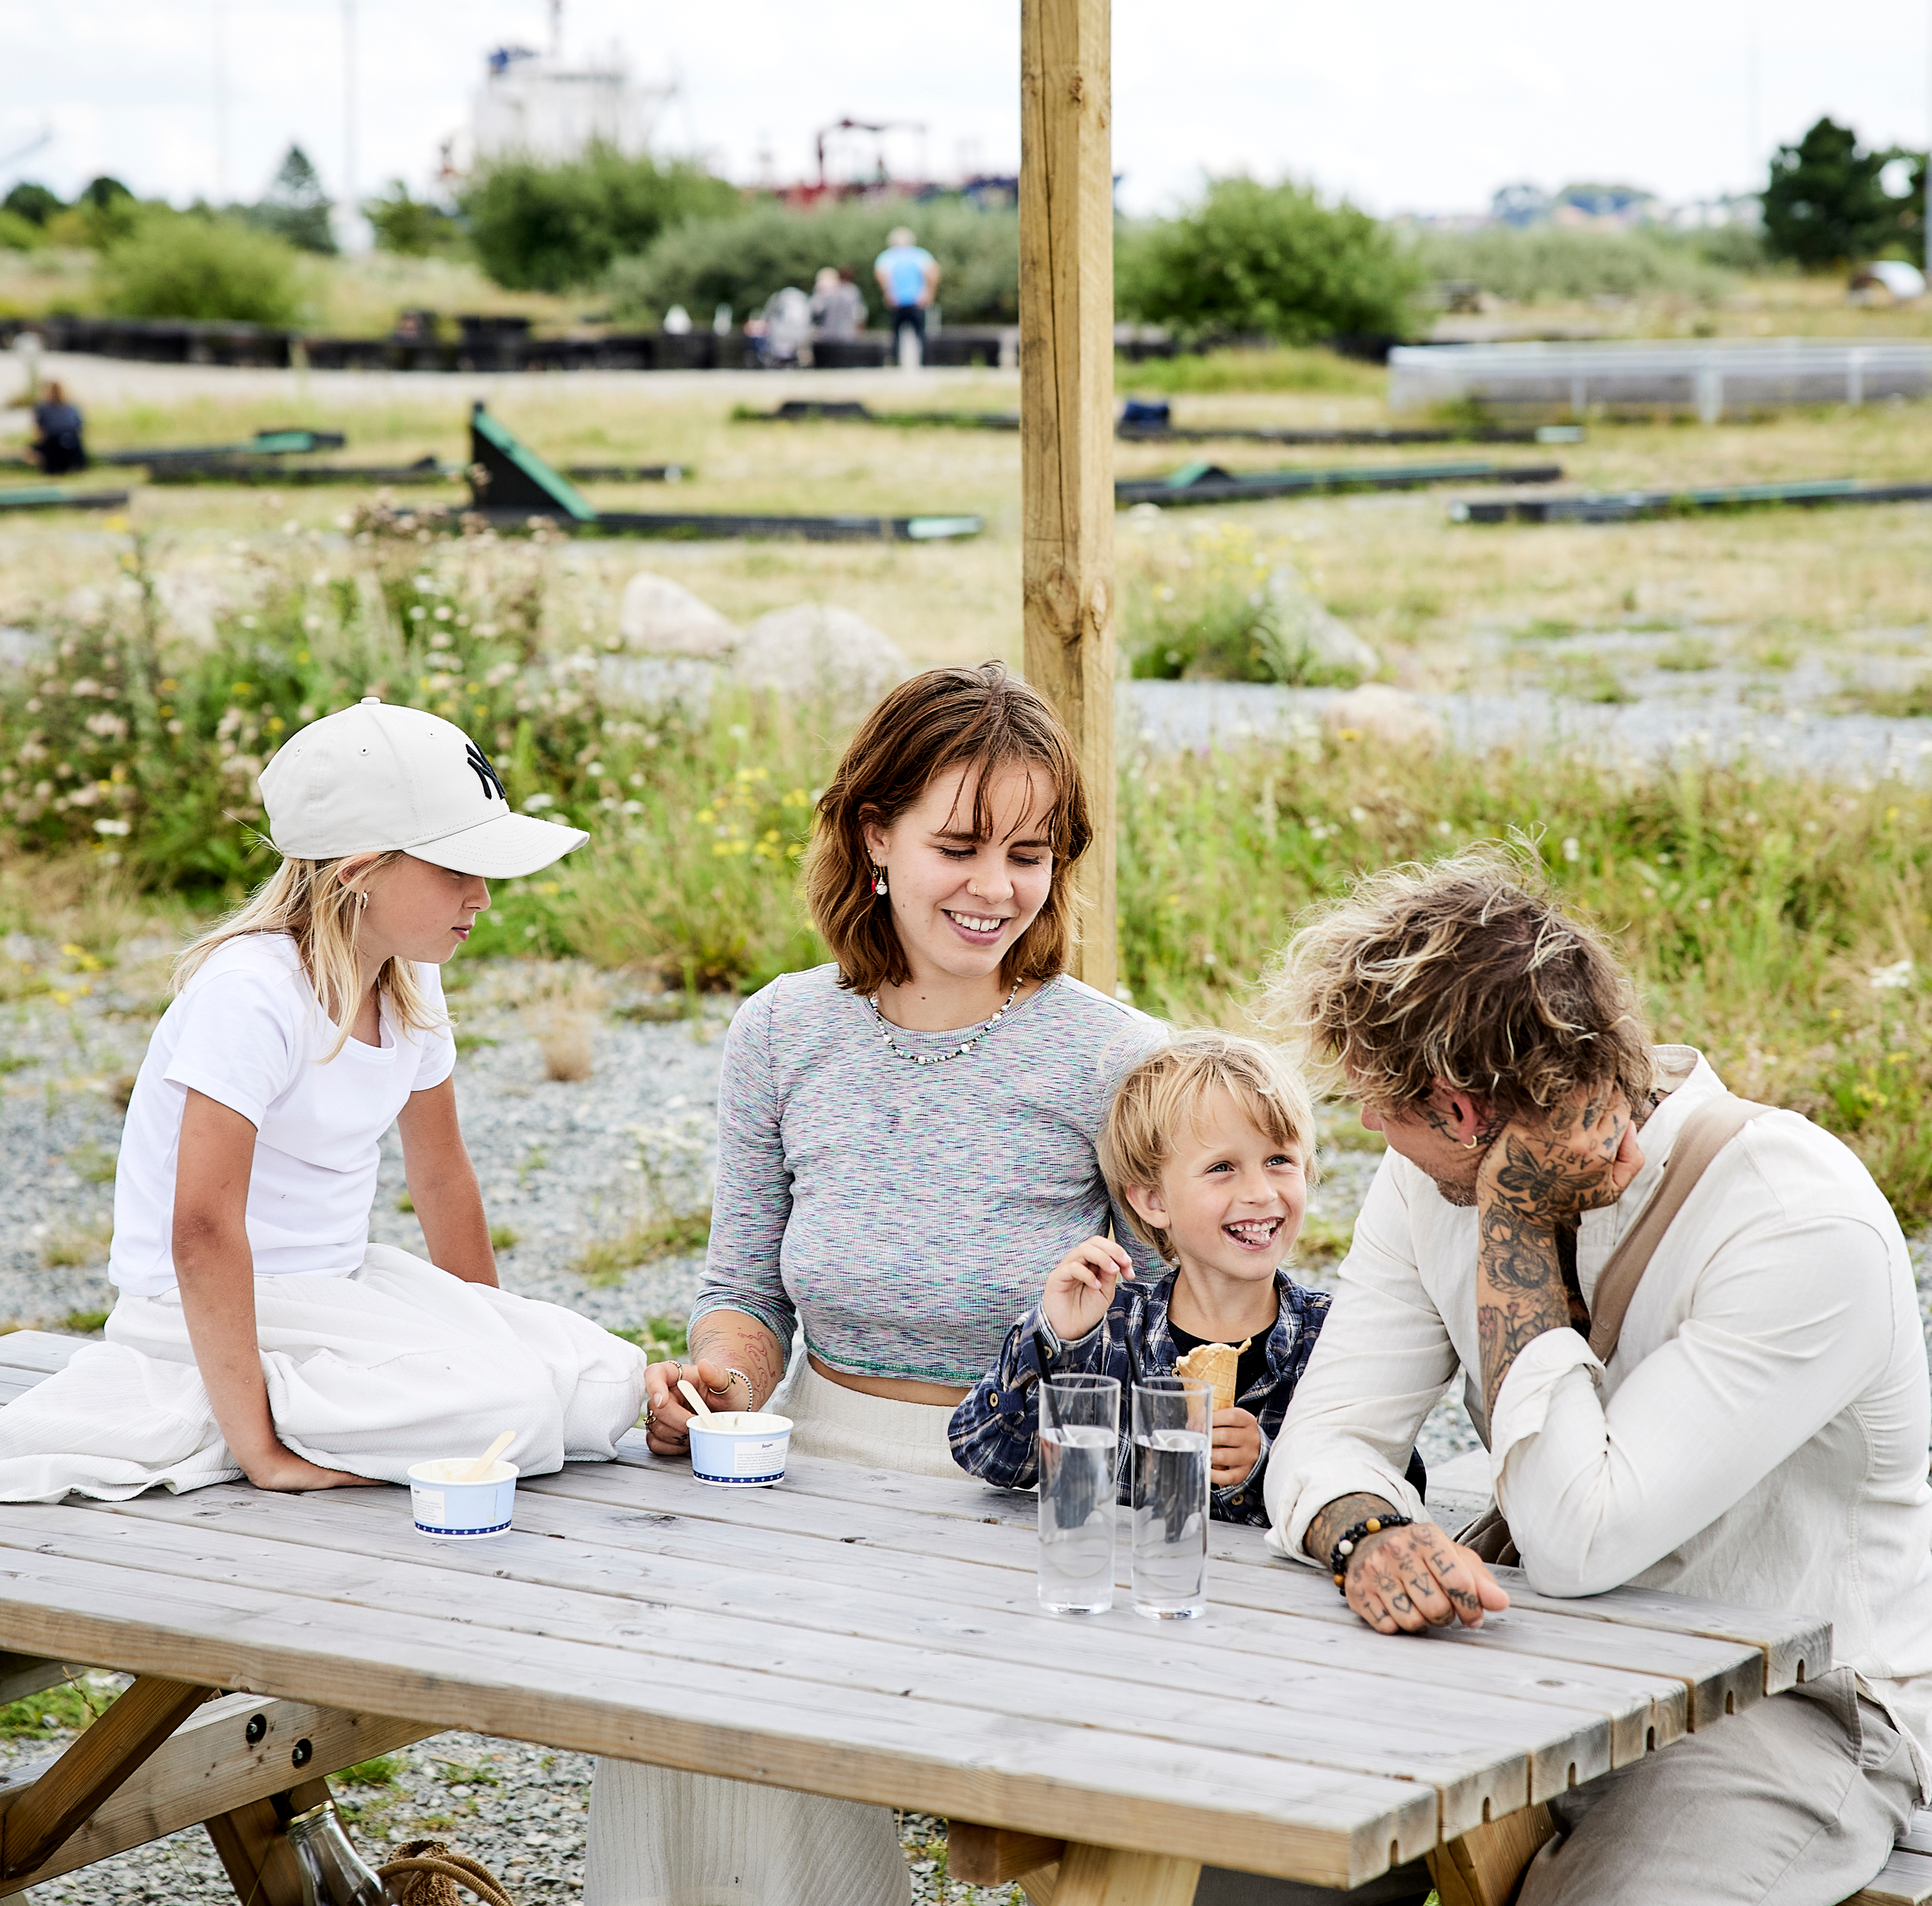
[740, 1448]
[453, 1511]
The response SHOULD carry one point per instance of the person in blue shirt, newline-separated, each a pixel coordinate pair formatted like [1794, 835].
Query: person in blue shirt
[1209, 1146]
[908, 276]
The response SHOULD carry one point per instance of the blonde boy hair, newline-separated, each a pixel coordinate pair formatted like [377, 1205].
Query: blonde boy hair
[306, 900]
[1137, 1142]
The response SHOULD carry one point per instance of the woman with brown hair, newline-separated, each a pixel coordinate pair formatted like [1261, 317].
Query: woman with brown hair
[905, 1147]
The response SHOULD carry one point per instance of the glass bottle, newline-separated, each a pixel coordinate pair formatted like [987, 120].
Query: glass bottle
[332, 1871]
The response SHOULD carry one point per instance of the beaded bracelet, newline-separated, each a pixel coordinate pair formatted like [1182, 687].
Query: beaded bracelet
[1373, 1525]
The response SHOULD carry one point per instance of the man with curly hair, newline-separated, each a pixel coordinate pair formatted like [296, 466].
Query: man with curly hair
[1747, 1419]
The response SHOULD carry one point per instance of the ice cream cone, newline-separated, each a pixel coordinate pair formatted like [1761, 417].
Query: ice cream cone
[1215, 1364]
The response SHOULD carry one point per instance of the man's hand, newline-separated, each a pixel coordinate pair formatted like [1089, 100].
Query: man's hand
[1409, 1579]
[1237, 1447]
[1548, 1168]
[1081, 1285]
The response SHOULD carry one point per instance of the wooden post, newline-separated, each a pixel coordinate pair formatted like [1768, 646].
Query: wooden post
[1066, 410]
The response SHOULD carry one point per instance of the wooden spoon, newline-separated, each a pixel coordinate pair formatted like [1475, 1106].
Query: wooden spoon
[691, 1396]
[485, 1463]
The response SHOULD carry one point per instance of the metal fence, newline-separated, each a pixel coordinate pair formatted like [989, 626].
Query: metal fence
[1714, 379]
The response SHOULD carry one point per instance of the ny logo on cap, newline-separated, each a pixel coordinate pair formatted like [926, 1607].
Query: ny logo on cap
[485, 773]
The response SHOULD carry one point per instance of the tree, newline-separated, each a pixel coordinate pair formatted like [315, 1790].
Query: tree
[1825, 203]
[413, 227]
[33, 201]
[538, 227]
[1269, 259]
[295, 207]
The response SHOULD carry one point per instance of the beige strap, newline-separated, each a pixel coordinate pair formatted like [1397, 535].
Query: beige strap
[1705, 1133]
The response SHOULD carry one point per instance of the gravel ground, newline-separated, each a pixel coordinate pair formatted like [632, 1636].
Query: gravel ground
[560, 1165]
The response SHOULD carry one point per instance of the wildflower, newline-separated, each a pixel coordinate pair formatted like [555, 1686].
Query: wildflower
[1572, 850]
[536, 803]
[1892, 978]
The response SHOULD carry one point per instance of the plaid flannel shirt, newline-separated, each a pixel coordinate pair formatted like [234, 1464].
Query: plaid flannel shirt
[994, 1430]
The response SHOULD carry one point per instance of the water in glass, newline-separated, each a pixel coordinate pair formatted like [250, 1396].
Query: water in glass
[1078, 1461]
[1171, 1440]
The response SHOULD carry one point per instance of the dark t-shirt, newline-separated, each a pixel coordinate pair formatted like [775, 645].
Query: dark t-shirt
[1248, 1370]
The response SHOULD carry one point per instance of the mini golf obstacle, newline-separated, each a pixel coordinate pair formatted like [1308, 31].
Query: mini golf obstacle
[1142, 422]
[235, 470]
[511, 484]
[264, 443]
[1199, 483]
[1632, 506]
[49, 496]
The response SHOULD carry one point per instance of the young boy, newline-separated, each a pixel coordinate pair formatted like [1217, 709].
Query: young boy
[1209, 1146]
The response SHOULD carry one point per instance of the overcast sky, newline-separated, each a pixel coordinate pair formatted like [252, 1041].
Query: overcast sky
[1402, 105]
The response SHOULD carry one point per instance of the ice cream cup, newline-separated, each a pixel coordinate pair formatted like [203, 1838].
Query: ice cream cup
[456, 1511]
[740, 1448]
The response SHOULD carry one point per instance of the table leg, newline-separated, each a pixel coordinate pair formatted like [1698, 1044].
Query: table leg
[1111, 1876]
[255, 1850]
[1486, 1866]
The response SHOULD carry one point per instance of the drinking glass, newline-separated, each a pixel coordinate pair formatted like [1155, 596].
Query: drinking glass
[1079, 1459]
[1172, 1437]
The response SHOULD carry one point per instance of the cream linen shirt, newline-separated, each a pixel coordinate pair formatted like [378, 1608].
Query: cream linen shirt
[1759, 1436]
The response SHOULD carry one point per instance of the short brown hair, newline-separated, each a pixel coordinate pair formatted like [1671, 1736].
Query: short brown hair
[945, 718]
[1468, 972]
[1137, 1140]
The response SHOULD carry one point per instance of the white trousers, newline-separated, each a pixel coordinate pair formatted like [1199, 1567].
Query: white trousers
[661, 1838]
[397, 1363]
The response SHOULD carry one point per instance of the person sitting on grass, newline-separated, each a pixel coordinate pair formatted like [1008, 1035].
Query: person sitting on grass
[1209, 1145]
[258, 1331]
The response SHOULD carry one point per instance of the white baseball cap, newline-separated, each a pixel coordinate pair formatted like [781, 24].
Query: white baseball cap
[372, 778]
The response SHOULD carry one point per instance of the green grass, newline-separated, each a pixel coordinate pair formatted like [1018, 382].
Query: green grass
[71, 1705]
[1287, 369]
[381, 1772]
[503, 1238]
[665, 1334]
[605, 1260]
[84, 1323]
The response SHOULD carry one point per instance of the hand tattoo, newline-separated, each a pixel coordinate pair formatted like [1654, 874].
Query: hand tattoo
[1326, 1527]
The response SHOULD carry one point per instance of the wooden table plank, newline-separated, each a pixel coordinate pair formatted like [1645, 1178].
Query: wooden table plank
[762, 1568]
[1790, 1642]
[1719, 1677]
[1326, 1825]
[1486, 1754]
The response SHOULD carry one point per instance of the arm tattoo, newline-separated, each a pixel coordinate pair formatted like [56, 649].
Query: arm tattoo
[1519, 1291]
[1325, 1530]
[714, 1340]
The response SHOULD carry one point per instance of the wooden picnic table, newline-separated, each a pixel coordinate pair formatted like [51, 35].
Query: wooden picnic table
[858, 1632]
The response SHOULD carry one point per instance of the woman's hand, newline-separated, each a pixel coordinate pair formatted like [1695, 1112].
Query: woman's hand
[1082, 1286]
[279, 1467]
[1237, 1447]
[667, 1416]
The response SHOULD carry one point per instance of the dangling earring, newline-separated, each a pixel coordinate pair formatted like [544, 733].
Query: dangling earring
[879, 881]
[362, 900]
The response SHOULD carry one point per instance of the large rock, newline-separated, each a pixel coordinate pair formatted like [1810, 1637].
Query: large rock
[1387, 717]
[658, 617]
[1315, 645]
[813, 652]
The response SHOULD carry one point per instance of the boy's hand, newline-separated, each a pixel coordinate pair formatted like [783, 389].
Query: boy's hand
[1237, 1447]
[1082, 1286]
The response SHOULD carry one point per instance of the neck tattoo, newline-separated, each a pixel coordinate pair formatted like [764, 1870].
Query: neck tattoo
[958, 1051]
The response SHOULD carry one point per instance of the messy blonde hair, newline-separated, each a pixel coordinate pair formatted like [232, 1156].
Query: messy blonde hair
[308, 901]
[1467, 970]
[1137, 1142]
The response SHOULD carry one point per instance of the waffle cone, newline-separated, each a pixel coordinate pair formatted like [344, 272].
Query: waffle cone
[1215, 1364]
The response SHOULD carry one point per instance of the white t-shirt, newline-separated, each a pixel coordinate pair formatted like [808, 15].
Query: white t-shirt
[248, 1032]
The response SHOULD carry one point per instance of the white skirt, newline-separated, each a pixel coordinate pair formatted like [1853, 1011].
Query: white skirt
[661, 1838]
[397, 1363]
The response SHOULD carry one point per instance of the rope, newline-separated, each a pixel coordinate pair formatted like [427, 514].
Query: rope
[429, 1873]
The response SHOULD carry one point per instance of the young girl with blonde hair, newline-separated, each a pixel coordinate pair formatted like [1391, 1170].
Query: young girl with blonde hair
[257, 1331]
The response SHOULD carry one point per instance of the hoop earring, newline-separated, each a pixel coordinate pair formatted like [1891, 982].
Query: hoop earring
[1470, 1145]
[879, 881]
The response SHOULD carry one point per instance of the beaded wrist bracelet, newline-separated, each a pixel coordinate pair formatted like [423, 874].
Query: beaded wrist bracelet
[1373, 1525]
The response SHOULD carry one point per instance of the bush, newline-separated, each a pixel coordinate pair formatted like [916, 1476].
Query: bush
[295, 207]
[1551, 262]
[19, 234]
[1825, 203]
[33, 201]
[741, 262]
[177, 265]
[1269, 259]
[413, 228]
[548, 227]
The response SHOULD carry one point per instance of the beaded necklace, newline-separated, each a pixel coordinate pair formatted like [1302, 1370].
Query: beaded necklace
[958, 1051]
